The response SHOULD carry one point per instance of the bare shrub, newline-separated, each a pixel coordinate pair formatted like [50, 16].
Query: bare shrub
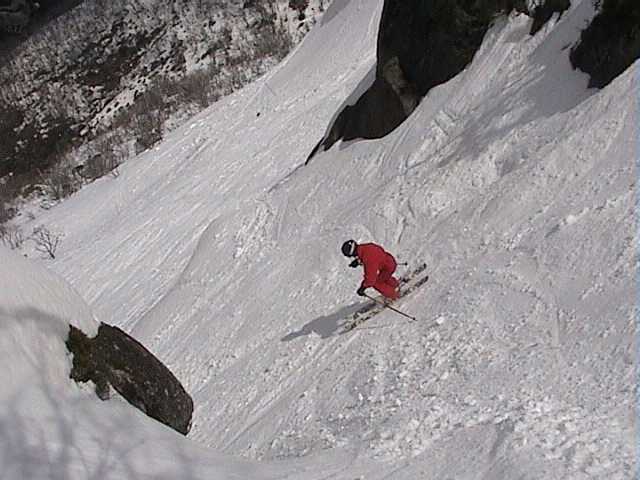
[11, 236]
[60, 181]
[147, 117]
[46, 241]
[273, 40]
[148, 129]
[200, 87]
[108, 154]
[11, 117]
[12, 187]
[6, 212]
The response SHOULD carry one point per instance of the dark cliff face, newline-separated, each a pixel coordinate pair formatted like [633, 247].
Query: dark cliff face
[115, 360]
[421, 44]
[611, 43]
[543, 12]
[21, 18]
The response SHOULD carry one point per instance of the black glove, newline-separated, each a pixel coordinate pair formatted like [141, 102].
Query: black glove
[355, 263]
[361, 292]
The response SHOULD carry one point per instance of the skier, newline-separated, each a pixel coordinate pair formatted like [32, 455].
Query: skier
[379, 266]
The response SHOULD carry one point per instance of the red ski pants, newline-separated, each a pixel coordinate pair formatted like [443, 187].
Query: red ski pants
[387, 284]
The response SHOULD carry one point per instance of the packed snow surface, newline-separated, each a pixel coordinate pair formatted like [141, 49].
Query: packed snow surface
[220, 251]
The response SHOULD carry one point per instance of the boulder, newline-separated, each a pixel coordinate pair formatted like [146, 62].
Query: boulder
[115, 360]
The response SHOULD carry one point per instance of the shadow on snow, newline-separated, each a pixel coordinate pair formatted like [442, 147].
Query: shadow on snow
[328, 325]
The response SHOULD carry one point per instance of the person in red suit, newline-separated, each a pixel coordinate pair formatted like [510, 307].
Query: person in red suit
[379, 267]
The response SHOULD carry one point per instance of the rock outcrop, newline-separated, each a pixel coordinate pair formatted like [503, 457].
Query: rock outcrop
[420, 45]
[611, 43]
[115, 360]
[543, 12]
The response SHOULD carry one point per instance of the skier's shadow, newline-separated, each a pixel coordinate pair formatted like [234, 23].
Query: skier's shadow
[326, 326]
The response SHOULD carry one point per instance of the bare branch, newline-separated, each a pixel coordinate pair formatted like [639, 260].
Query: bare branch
[11, 236]
[46, 241]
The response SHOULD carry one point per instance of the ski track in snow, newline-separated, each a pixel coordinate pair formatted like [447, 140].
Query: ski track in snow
[513, 182]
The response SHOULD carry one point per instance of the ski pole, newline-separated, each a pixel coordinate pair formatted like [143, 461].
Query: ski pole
[390, 307]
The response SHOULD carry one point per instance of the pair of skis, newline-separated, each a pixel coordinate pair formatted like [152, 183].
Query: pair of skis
[408, 284]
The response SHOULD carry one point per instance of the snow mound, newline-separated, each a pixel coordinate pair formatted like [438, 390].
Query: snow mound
[36, 309]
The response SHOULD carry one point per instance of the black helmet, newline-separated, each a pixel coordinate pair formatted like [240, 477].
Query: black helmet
[349, 248]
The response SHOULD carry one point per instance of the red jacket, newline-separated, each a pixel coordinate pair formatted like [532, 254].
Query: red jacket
[375, 260]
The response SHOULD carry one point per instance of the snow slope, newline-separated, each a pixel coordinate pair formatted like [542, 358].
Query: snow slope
[220, 251]
[50, 428]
